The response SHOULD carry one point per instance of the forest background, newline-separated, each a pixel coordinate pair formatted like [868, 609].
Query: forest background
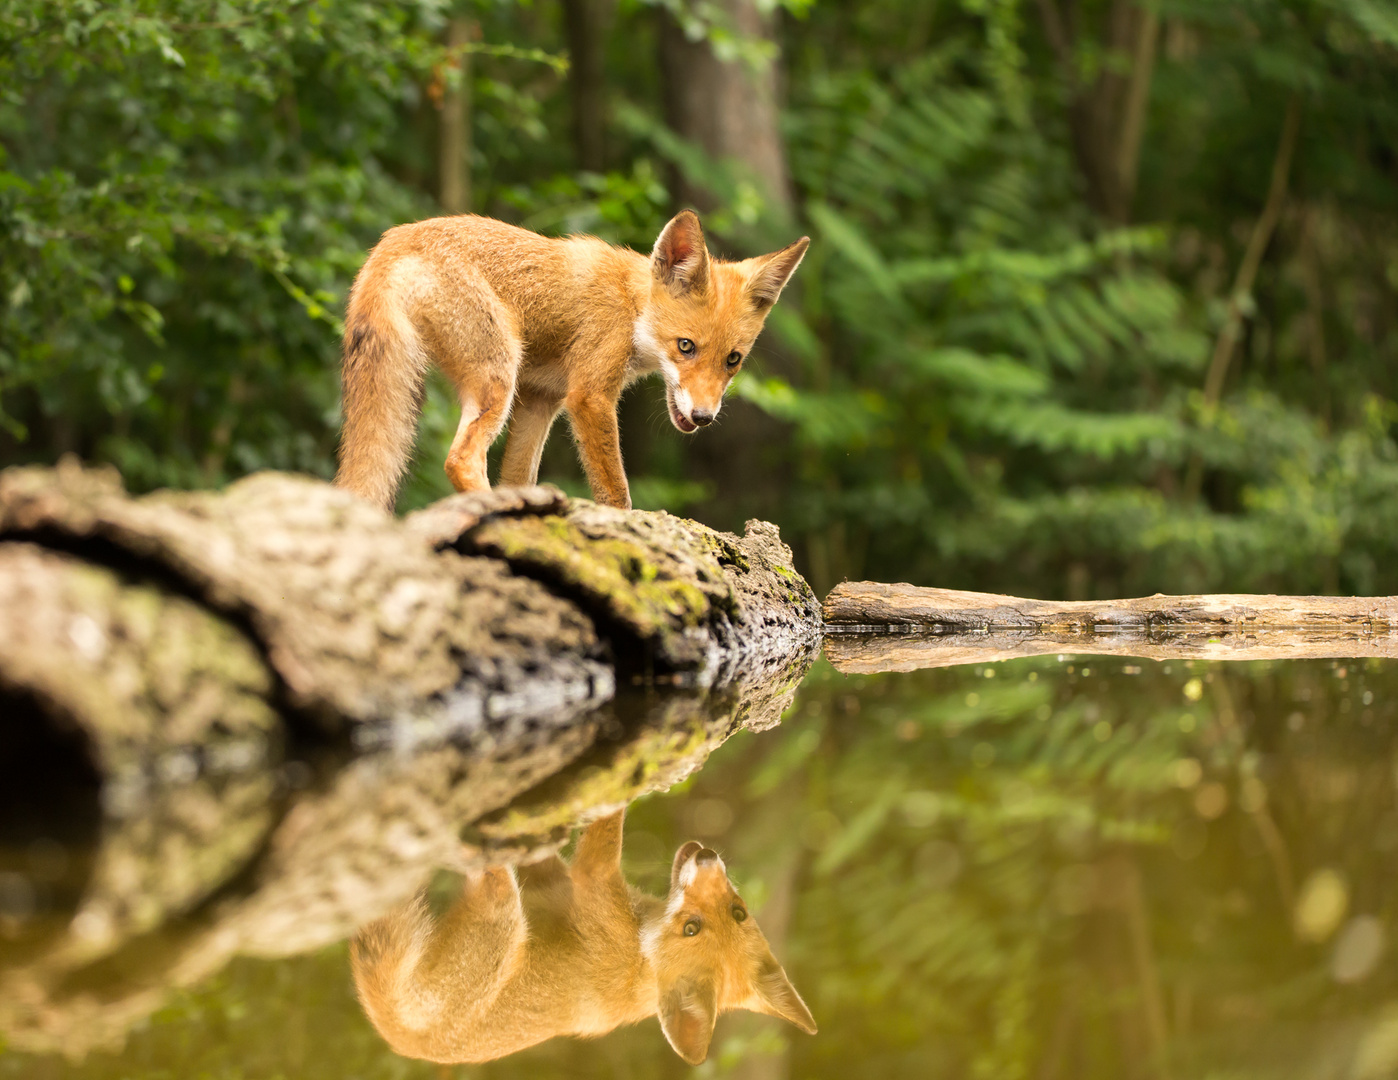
[1101, 299]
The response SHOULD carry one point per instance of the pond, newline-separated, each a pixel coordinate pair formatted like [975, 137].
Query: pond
[1053, 866]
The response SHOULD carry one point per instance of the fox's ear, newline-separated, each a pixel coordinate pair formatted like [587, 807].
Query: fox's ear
[688, 848]
[688, 1012]
[774, 271]
[679, 260]
[777, 997]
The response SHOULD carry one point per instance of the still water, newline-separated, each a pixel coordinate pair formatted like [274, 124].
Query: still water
[1048, 867]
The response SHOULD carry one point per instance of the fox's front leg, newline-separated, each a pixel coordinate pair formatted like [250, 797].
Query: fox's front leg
[592, 413]
[599, 847]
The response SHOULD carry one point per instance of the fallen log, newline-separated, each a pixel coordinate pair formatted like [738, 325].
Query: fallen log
[291, 708]
[359, 621]
[873, 627]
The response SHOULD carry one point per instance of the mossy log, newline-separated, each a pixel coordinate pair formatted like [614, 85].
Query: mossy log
[296, 708]
[358, 619]
[873, 627]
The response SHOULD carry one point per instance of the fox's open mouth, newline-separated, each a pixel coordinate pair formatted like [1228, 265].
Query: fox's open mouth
[680, 421]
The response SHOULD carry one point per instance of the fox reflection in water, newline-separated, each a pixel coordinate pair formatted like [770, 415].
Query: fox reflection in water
[553, 949]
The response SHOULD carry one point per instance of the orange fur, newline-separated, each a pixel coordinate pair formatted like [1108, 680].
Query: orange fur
[569, 950]
[517, 320]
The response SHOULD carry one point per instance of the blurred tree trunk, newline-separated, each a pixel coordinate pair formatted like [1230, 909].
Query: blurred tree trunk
[587, 23]
[1107, 116]
[728, 108]
[764, 1062]
[455, 143]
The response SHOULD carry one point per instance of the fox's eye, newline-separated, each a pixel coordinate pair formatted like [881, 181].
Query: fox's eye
[691, 928]
[739, 913]
[734, 359]
[686, 346]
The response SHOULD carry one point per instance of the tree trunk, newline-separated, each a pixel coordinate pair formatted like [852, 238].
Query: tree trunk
[455, 141]
[1107, 118]
[728, 108]
[587, 24]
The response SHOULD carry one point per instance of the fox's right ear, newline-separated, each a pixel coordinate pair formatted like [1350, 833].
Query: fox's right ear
[688, 1012]
[774, 271]
[777, 997]
[679, 260]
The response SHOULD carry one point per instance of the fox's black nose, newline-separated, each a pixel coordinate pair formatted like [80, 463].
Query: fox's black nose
[705, 855]
[702, 417]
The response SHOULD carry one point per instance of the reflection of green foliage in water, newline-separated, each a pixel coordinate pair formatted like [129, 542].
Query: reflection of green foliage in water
[1102, 868]
[1049, 872]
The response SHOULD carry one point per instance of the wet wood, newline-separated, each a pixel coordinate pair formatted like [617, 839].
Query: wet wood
[876, 627]
[872, 604]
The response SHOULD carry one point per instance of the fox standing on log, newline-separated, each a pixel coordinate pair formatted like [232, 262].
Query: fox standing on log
[570, 950]
[518, 320]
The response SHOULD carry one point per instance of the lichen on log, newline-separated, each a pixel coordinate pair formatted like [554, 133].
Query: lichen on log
[673, 596]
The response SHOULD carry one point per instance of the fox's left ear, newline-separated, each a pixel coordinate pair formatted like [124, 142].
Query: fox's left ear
[777, 997]
[774, 271]
[688, 1012]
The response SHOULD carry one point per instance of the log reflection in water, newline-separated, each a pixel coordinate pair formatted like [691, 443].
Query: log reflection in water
[357, 840]
[871, 653]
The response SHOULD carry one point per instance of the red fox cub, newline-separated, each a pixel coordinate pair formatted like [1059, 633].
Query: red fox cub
[569, 950]
[520, 321]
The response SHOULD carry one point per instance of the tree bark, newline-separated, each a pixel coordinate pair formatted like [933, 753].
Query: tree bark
[486, 604]
[361, 622]
[587, 23]
[454, 167]
[728, 108]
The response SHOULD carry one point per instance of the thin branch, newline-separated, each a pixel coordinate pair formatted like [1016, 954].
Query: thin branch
[1252, 257]
[1242, 285]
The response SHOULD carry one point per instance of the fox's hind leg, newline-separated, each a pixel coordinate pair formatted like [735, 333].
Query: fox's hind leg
[478, 349]
[534, 413]
[477, 945]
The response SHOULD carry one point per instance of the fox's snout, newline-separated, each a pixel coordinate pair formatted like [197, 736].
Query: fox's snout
[695, 862]
[687, 414]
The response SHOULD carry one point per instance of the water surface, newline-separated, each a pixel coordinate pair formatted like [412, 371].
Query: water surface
[1047, 867]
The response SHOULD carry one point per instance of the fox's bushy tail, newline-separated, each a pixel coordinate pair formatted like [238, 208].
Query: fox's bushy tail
[385, 957]
[382, 380]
